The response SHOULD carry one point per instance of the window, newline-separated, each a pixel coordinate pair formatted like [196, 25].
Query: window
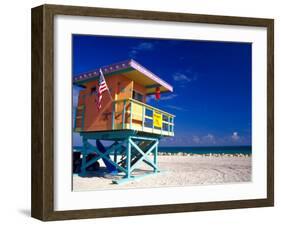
[137, 96]
[93, 90]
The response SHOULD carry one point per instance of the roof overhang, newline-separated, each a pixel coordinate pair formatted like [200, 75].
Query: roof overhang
[132, 70]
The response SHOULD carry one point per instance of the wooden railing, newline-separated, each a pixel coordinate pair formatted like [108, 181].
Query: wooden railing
[135, 115]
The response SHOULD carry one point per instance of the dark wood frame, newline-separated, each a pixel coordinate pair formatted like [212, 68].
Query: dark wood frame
[42, 202]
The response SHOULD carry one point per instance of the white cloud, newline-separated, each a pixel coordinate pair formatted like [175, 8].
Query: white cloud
[176, 108]
[196, 139]
[181, 77]
[143, 46]
[235, 136]
[209, 139]
[184, 77]
[166, 97]
[169, 97]
[149, 98]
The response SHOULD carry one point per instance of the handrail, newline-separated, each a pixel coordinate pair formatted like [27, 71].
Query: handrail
[146, 105]
[127, 122]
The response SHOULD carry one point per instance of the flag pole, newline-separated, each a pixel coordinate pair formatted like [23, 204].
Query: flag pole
[106, 85]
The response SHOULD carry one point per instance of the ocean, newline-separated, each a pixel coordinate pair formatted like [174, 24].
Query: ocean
[207, 150]
[201, 150]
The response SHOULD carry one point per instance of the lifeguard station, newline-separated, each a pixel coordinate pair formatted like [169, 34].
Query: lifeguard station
[124, 118]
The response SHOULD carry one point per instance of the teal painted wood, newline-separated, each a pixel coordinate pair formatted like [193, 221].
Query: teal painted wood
[109, 135]
[144, 155]
[123, 114]
[91, 149]
[115, 151]
[130, 142]
[102, 155]
[156, 156]
[128, 160]
[143, 138]
[172, 124]
[113, 115]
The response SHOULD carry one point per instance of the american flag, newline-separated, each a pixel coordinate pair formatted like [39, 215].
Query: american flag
[102, 87]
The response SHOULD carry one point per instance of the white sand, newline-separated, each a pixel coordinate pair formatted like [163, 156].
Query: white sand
[177, 171]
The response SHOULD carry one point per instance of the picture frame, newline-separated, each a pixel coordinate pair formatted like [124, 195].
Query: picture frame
[43, 182]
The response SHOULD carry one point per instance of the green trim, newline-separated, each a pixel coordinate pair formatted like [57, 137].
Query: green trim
[166, 91]
[153, 86]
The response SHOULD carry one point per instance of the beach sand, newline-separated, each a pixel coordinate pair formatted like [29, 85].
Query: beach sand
[176, 171]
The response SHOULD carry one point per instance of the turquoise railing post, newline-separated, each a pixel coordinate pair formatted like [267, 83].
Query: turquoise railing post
[143, 114]
[123, 114]
[113, 115]
[128, 160]
[172, 124]
[169, 125]
[131, 114]
[156, 155]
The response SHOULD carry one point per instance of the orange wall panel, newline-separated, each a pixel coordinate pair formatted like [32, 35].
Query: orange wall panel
[99, 120]
[140, 89]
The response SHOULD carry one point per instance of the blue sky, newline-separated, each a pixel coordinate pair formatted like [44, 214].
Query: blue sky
[211, 80]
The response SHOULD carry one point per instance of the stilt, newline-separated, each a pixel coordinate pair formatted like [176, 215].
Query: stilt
[133, 150]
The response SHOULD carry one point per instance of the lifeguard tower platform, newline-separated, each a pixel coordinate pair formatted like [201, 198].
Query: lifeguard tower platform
[124, 118]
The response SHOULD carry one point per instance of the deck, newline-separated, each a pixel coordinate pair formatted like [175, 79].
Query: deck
[135, 115]
[132, 115]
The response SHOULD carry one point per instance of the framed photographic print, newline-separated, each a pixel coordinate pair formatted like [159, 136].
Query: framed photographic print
[141, 112]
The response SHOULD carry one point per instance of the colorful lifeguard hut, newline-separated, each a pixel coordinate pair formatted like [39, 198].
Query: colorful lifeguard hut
[124, 118]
